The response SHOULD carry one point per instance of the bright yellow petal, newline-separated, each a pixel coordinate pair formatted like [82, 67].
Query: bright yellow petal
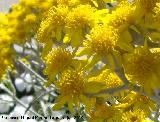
[67, 38]
[94, 87]
[70, 106]
[59, 33]
[110, 62]
[47, 48]
[77, 38]
[83, 51]
[92, 62]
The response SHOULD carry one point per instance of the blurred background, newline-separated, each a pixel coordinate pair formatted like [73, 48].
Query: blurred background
[6, 4]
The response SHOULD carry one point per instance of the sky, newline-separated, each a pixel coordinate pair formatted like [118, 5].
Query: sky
[6, 4]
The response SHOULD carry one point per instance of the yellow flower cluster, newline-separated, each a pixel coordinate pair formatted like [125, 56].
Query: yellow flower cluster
[19, 25]
[106, 59]
[5, 45]
[92, 42]
[24, 18]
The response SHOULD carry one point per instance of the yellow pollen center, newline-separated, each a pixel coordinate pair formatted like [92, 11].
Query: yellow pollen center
[71, 83]
[57, 59]
[80, 17]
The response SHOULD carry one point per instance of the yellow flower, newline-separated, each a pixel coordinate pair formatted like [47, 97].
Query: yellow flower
[123, 17]
[100, 44]
[71, 87]
[133, 116]
[24, 18]
[101, 40]
[143, 67]
[56, 61]
[110, 81]
[80, 17]
[52, 26]
[3, 28]
[108, 77]
[78, 20]
[136, 101]
[71, 83]
[5, 45]
[5, 55]
[144, 12]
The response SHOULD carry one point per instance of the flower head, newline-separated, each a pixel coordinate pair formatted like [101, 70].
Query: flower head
[5, 45]
[57, 60]
[25, 18]
[133, 116]
[71, 86]
[122, 17]
[101, 40]
[143, 67]
[53, 24]
[78, 21]
[80, 17]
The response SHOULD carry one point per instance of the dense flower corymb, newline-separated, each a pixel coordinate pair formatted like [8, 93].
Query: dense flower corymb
[101, 56]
